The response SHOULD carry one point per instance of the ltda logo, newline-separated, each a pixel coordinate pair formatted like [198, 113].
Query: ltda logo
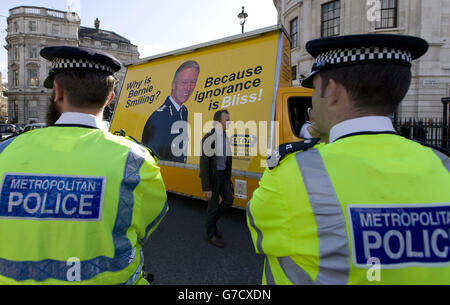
[244, 140]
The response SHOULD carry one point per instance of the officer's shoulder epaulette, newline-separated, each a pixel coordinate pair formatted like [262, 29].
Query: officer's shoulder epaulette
[150, 150]
[288, 148]
[161, 109]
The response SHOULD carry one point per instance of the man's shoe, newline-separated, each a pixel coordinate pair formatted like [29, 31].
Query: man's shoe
[216, 242]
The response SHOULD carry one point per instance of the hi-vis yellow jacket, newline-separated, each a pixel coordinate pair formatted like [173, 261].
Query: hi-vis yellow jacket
[366, 209]
[76, 206]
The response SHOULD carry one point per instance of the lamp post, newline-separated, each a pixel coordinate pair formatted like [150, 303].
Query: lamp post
[242, 17]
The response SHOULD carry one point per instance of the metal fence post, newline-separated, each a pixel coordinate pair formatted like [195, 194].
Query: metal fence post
[445, 129]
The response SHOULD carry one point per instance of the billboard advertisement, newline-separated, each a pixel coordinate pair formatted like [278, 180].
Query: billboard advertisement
[168, 103]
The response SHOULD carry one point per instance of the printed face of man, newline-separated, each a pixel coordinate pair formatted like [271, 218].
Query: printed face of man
[184, 85]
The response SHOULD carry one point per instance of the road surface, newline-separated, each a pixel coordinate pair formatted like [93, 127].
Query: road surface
[177, 253]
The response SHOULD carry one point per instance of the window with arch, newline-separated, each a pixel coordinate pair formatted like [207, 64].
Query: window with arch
[15, 77]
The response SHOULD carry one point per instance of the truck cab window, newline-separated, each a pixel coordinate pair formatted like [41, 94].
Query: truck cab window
[298, 112]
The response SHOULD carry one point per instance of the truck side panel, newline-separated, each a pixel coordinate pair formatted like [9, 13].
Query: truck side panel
[239, 75]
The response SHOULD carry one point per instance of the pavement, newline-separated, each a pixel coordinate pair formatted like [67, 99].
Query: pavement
[177, 253]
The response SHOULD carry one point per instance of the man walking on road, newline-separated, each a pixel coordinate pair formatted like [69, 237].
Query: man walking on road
[215, 175]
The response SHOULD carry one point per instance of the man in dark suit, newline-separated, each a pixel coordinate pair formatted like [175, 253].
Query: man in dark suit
[215, 175]
[159, 131]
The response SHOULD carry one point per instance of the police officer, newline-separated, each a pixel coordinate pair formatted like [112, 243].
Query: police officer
[370, 206]
[76, 202]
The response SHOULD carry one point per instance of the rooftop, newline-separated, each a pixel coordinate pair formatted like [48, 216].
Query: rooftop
[102, 35]
[43, 11]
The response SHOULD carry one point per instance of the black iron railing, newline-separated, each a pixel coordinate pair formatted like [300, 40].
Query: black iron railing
[433, 132]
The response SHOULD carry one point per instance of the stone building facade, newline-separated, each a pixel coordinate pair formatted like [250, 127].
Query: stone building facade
[3, 102]
[111, 43]
[29, 30]
[311, 19]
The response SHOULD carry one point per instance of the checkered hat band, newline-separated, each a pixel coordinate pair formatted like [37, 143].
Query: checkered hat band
[62, 63]
[335, 57]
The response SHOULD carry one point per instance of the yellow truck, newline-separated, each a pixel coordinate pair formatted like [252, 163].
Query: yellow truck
[249, 75]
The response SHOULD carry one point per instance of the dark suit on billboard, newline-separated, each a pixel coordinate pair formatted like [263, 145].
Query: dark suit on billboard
[157, 131]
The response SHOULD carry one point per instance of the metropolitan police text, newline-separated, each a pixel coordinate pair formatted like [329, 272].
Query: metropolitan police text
[49, 185]
[402, 235]
[59, 197]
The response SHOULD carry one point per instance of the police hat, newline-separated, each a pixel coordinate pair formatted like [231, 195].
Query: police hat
[65, 58]
[342, 51]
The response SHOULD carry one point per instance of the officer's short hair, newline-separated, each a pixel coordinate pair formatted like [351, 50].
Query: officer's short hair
[374, 88]
[87, 88]
[187, 64]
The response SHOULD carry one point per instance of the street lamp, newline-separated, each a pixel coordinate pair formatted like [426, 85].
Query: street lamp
[242, 17]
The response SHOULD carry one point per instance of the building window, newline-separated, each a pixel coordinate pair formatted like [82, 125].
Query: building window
[331, 18]
[388, 15]
[33, 79]
[15, 113]
[55, 29]
[294, 73]
[33, 109]
[33, 52]
[294, 33]
[16, 52]
[15, 78]
[16, 27]
[32, 26]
